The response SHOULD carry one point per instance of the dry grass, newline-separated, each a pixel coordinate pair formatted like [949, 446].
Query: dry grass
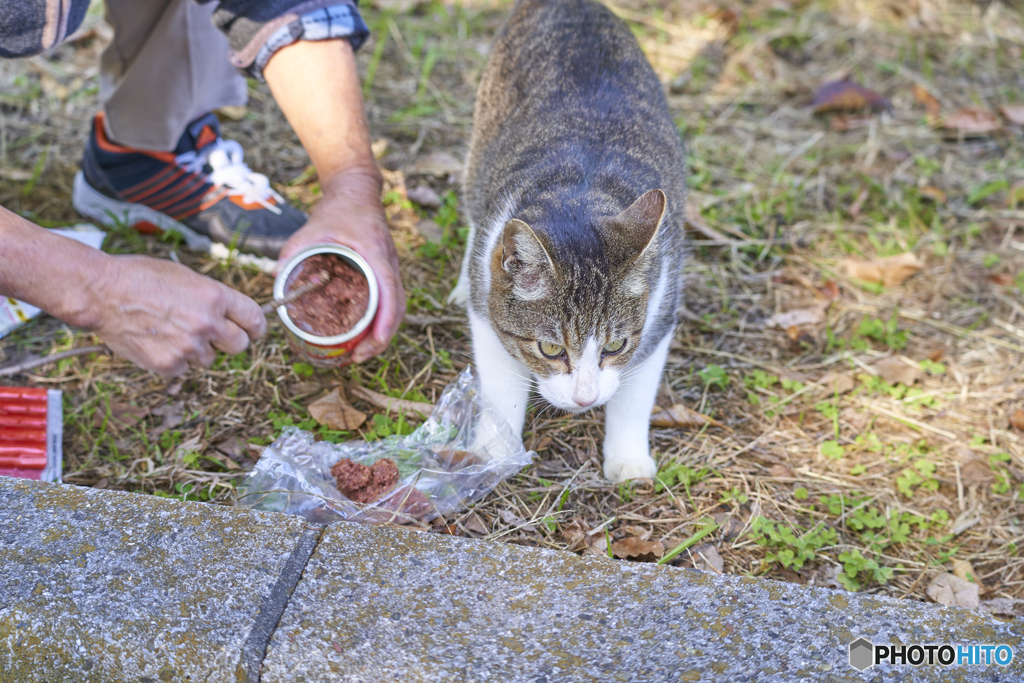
[911, 480]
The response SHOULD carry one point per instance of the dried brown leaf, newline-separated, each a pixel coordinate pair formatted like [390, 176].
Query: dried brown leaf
[575, 534]
[948, 589]
[830, 290]
[898, 370]
[836, 383]
[235, 112]
[730, 524]
[846, 96]
[1014, 113]
[411, 409]
[975, 472]
[638, 531]
[780, 471]
[173, 415]
[424, 195]
[972, 122]
[1001, 279]
[799, 316]
[539, 443]
[933, 193]
[634, 548]
[430, 230]
[475, 524]
[597, 546]
[841, 123]
[335, 412]
[1017, 419]
[436, 163]
[964, 570]
[235, 449]
[706, 558]
[890, 271]
[931, 105]
[1006, 607]
[379, 147]
[511, 518]
[679, 415]
[122, 416]
[453, 459]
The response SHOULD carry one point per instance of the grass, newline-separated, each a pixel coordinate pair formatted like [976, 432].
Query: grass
[876, 486]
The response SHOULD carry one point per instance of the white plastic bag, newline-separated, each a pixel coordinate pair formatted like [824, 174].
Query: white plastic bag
[459, 455]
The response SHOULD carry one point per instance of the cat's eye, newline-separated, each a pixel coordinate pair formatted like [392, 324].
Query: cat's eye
[614, 347]
[550, 350]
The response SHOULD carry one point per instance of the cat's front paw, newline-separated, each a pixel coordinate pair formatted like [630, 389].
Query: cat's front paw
[460, 293]
[627, 462]
[627, 454]
[618, 471]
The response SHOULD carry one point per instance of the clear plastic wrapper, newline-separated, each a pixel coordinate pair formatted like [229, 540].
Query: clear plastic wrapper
[459, 455]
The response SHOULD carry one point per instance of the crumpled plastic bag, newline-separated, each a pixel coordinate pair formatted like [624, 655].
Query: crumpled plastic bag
[458, 456]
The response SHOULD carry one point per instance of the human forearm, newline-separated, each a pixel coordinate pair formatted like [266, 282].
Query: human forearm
[49, 271]
[316, 84]
[158, 314]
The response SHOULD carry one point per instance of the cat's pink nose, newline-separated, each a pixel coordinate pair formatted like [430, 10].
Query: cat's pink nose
[584, 401]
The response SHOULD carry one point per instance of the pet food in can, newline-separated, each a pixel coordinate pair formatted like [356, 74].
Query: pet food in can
[325, 325]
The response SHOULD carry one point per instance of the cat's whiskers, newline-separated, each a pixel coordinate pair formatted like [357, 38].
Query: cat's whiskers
[630, 373]
[546, 407]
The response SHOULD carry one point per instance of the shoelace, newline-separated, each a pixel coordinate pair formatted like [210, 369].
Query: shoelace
[224, 157]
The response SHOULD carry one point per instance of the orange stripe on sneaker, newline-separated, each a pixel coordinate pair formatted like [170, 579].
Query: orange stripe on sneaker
[168, 187]
[174, 195]
[251, 206]
[185, 212]
[213, 199]
[147, 187]
[206, 136]
[186, 206]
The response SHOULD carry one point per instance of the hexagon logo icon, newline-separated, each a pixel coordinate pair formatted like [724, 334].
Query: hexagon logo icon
[862, 654]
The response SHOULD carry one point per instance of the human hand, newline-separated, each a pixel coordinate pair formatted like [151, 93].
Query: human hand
[350, 214]
[165, 317]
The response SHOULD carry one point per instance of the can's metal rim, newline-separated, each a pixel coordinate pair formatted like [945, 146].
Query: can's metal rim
[354, 259]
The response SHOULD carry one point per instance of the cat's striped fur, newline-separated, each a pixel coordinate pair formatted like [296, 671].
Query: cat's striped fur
[574, 186]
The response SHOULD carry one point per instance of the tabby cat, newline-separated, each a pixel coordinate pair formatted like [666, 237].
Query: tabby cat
[574, 187]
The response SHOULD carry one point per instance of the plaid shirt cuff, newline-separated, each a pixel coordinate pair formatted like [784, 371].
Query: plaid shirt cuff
[335, 21]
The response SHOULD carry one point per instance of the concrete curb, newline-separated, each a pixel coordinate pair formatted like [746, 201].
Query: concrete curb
[109, 587]
[102, 586]
[385, 604]
[255, 647]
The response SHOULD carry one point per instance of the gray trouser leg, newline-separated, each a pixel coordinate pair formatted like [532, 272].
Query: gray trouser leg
[166, 66]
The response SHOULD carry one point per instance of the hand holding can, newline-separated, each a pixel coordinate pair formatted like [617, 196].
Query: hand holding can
[326, 324]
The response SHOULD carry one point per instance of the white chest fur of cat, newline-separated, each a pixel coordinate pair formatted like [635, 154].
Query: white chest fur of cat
[574, 188]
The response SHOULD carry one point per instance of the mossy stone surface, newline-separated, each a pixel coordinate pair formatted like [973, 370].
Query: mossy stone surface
[382, 604]
[103, 586]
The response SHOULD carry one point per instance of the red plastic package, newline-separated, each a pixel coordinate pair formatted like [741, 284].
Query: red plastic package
[31, 433]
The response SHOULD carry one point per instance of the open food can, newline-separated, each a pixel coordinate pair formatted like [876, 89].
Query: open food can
[325, 325]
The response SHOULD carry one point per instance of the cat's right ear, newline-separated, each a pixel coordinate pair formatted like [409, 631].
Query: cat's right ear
[525, 261]
[632, 231]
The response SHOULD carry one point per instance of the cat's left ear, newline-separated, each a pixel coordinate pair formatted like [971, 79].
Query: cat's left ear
[526, 261]
[632, 231]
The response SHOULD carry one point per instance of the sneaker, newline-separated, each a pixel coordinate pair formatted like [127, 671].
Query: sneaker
[202, 190]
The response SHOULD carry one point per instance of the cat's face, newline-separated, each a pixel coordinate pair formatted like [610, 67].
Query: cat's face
[573, 312]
